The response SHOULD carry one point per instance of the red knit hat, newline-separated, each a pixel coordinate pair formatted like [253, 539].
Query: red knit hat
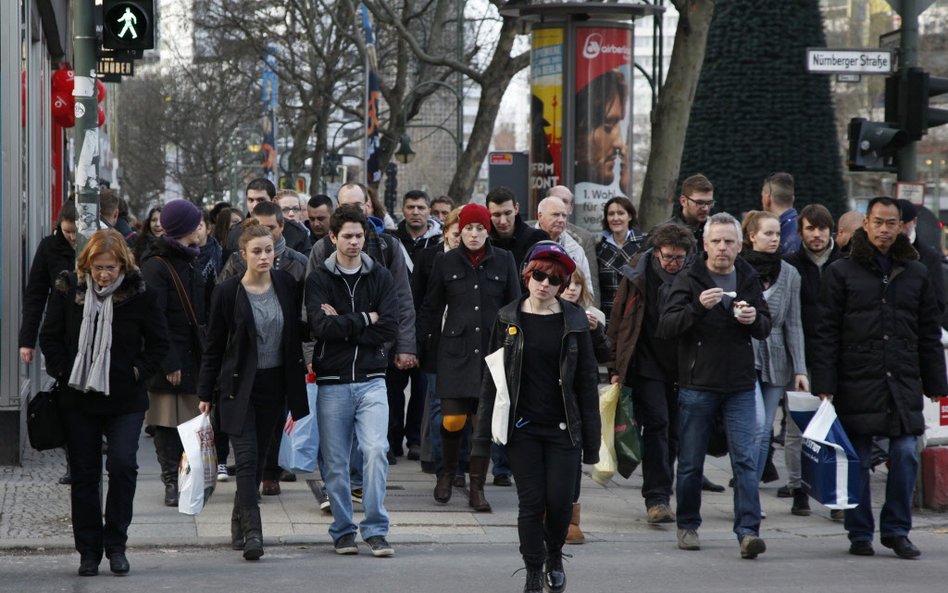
[474, 213]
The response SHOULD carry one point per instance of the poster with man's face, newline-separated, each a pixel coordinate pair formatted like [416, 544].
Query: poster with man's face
[603, 113]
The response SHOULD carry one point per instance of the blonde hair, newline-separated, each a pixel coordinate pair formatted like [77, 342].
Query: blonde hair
[105, 242]
[752, 224]
[585, 299]
[454, 217]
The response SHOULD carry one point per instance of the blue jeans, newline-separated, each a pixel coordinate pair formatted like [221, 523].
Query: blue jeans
[696, 411]
[896, 516]
[768, 398]
[354, 411]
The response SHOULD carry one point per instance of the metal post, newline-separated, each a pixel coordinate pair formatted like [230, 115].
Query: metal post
[87, 121]
[908, 169]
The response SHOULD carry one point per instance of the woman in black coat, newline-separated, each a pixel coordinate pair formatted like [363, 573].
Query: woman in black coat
[473, 282]
[253, 369]
[102, 341]
[553, 422]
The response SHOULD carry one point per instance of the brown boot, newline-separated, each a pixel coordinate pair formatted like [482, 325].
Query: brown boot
[575, 535]
[450, 448]
[478, 475]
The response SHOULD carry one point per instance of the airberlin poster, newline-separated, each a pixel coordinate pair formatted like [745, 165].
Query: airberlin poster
[603, 114]
[546, 112]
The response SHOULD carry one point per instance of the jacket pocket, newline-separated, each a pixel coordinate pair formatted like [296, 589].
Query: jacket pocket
[453, 342]
[455, 284]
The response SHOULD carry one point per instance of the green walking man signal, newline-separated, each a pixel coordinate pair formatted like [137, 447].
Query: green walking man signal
[128, 24]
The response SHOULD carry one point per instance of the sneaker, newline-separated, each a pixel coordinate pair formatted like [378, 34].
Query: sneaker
[380, 546]
[660, 513]
[322, 497]
[222, 472]
[688, 539]
[357, 495]
[752, 546]
[801, 504]
[346, 545]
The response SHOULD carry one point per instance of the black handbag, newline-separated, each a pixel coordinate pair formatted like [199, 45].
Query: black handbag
[44, 424]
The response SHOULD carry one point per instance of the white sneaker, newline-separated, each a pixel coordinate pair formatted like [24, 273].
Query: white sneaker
[222, 472]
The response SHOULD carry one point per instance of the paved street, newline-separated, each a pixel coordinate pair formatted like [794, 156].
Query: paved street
[443, 548]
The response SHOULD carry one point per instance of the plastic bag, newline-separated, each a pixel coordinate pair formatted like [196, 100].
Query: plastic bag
[628, 435]
[299, 444]
[197, 471]
[603, 471]
[829, 464]
[500, 419]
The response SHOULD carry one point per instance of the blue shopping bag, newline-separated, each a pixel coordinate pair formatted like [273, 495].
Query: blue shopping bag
[829, 464]
[802, 405]
[299, 444]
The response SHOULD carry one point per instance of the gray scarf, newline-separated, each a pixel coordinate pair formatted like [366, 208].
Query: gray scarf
[90, 371]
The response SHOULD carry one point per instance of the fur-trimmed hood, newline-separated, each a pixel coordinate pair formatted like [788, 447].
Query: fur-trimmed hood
[132, 285]
[863, 253]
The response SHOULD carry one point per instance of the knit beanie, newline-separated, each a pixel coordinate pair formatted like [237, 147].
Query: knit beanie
[474, 213]
[179, 218]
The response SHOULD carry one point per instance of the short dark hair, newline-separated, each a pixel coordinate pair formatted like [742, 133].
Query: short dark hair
[217, 209]
[626, 204]
[672, 234]
[443, 200]
[268, 209]
[262, 183]
[108, 202]
[501, 194]
[781, 188]
[696, 183]
[346, 213]
[68, 212]
[885, 201]
[320, 200]
[817, 215]
[417, 194]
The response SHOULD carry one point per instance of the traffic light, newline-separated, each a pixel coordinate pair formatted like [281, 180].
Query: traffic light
[128, 24]
[908, 103]
[873, 145]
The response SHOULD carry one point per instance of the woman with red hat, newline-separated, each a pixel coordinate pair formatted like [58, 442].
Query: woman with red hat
[472, 282]
[553, 420]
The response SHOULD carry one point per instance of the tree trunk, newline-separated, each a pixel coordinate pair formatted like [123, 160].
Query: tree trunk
[670, 120]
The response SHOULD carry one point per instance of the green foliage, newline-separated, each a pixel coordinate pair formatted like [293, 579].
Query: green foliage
[757, 110]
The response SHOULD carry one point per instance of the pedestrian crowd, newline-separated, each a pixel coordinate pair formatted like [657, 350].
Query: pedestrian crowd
[471, 341]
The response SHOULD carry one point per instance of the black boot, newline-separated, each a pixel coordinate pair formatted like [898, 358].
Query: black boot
[236, 529]
[478, 476]
[168, 448]
[770, 470]
[253, 532]
[553, 573]
[534, 582]
[450, 448]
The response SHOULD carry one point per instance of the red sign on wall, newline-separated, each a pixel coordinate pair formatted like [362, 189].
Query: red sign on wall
[943, 407]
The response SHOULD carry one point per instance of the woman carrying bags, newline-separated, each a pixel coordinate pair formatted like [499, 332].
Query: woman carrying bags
[553, 423]
[254, 357]
[102, 341]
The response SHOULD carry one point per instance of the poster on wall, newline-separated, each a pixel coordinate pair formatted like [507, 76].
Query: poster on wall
[603, 115]
[546, 112]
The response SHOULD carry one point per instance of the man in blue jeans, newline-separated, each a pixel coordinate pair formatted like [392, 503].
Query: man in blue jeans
[878, 351]
[352, 315]
[714, 309]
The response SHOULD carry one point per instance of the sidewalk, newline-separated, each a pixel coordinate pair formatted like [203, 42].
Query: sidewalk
[34, 511]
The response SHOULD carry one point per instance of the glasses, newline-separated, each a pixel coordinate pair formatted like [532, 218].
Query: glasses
[701, 203]
[669, 259]
[291, 209]
[540, 276]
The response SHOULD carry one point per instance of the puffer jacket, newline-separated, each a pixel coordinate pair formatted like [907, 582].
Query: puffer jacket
[578, 378]
[879, 347]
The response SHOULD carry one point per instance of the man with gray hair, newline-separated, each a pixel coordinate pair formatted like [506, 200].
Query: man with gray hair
[713, 310]
[551, 217]
[583, 237]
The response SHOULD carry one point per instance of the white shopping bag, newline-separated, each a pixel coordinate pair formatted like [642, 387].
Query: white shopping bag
[500, 420]
[197, 471]
[829, 464]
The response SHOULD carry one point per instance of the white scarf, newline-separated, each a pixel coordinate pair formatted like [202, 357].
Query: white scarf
[90, 371]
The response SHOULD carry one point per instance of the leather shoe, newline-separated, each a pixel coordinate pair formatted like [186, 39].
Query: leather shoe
[861, 548]
[118, 563]
[414, 452]
[902, 547]
[502, 480]
[88, 566]
[709, 486]
[270, 487]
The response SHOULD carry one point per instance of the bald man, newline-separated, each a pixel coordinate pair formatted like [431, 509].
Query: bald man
[551, 217]
[848, 222]
[586, 239]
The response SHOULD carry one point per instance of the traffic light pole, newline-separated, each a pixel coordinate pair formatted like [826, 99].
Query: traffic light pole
[87, 124]
[908, 57]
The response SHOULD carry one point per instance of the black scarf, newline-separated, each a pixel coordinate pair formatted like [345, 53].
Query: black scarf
[766, 264]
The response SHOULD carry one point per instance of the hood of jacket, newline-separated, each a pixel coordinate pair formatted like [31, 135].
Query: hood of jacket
[863, 252]
[637, 266]
[377, 223]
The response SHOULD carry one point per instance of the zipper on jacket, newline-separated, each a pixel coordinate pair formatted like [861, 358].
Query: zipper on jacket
[351, 291]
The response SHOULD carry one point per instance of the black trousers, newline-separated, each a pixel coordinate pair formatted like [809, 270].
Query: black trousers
[544, 463]
[250, 445]
[405, 425]
[656, 410]
[84, 434]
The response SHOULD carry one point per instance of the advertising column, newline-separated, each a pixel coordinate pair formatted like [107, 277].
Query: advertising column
[546, 112]
[603, 114]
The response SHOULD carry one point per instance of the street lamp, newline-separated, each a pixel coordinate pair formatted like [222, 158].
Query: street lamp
[404, 154]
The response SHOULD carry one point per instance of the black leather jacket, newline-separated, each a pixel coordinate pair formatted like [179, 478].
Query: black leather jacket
[578, 377]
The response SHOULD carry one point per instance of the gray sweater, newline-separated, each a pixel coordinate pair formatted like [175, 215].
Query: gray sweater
[781, 355]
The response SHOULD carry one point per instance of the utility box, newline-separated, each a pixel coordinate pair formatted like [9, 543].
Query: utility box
[512, 170]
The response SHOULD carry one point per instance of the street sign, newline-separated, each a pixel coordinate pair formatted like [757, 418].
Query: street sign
[128, 24]
[891, 40]
[113, 70]
[848, 61]
[849, 78]
[913, 191]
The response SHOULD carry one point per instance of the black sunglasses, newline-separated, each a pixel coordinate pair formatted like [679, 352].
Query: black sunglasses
[540, 276]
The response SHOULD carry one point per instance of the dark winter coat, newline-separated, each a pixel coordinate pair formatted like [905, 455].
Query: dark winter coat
[473, 296]
[424, 263]
[524, 237]
[628, 314]
[185, 352]
[880, 340]
[579, 378]
[53, 256]
[430, 238]
[349, 347]
[139, 343]
[715, 352]
[229, 364]
[933, 262]
[810, 282]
